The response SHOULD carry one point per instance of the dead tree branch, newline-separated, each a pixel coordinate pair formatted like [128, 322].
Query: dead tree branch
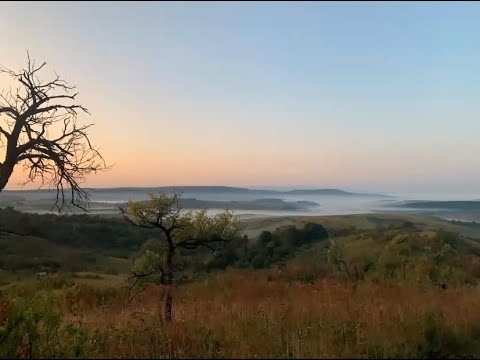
[40, 130]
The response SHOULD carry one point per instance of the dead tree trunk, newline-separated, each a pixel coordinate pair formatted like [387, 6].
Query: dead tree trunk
[6, 171]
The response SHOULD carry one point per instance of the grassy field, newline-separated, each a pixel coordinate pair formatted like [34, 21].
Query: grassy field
[304, 307]
[244, 314]
[255, 225]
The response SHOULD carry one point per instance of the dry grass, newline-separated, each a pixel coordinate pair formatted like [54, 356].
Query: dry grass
[262, 315]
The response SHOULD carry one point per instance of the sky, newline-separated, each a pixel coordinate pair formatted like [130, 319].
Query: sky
[365, 96]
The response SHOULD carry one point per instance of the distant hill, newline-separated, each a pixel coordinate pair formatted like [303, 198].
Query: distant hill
[236, 190]
[258, 204]
[196, 189]
[332, 192]
[194, 197]
[443, 205]
[271, 204]
[204, 189]
[320, 192]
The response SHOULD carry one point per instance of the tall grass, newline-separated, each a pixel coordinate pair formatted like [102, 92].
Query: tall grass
[242, 314]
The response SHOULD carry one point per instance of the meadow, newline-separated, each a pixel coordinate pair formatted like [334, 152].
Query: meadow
[241, 314]
[414, 295]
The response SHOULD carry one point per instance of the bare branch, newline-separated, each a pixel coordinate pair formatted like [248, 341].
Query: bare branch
[62, 162]
[5, 133]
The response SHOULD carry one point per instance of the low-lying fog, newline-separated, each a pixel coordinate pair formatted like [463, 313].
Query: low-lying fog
[106, 201]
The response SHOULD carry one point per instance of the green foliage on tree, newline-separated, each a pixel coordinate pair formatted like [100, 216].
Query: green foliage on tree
[269, 249]
[189, 231]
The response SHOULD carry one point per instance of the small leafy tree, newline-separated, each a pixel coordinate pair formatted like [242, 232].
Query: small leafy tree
[265, 237]
[335, 256]
[179, 230]
[395, 256]
[441, 263]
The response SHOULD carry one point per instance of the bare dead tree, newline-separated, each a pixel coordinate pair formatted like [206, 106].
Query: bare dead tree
[39, 129]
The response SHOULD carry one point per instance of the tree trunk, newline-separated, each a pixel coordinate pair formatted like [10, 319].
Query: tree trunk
[357, 275]
[347, 271]
[169, 298]
[168, 306]
[5, 173]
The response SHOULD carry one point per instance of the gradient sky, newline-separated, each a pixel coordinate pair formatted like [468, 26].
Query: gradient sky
[367, 96]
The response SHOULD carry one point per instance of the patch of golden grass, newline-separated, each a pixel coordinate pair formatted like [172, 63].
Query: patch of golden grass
[245, 314]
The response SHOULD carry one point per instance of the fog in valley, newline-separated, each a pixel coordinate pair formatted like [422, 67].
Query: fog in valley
[264, 202]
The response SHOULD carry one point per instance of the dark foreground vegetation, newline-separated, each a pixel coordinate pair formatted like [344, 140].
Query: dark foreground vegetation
[240, 313]
[364, 286]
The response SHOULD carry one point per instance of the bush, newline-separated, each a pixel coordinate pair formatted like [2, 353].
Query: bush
[30, 327]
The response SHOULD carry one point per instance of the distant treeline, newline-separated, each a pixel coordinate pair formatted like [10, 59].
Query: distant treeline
[270, 248]
[82, 242]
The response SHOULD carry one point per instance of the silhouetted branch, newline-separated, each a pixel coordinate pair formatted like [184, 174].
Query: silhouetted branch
[32, 113]
[137, 277]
